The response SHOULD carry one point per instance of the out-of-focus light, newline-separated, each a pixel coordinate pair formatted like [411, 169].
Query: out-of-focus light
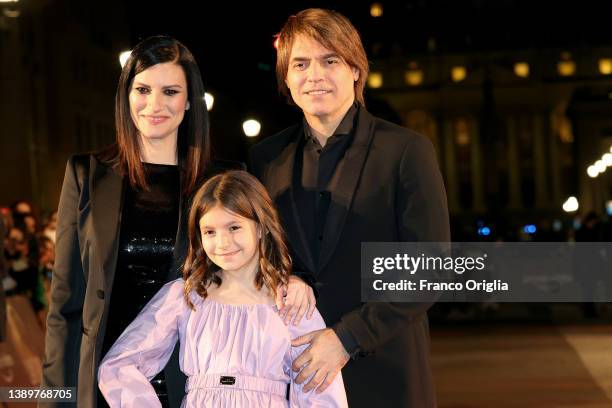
[458, 73]
[607, 159]
[123, 57]
[566, 68]
[600, 166]
[571, 204]
[251, 127]
[557, 225]
[375, 80]
[609, 207]
[530, 229]
[484, 231]
[11, 12]
[9, 1]
[592, 171]
[210, 100]
[376, 10]
[413, 77]
[605, 66]
[276, 41]
[521, 69]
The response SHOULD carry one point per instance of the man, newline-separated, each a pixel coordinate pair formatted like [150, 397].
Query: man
[340, 178]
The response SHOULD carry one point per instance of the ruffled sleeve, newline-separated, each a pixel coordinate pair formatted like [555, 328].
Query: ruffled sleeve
[143, 350]
[335, 395]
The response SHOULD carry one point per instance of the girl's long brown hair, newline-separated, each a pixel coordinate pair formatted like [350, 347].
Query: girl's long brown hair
[238, 192]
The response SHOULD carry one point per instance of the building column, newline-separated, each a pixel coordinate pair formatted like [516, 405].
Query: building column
[554, 167]
[542, 199]
[477, 169]
[514, 171]
[450, 166]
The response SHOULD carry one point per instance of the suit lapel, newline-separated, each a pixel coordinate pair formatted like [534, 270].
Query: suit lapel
[343, 186]
[107, 198]
[280, 178]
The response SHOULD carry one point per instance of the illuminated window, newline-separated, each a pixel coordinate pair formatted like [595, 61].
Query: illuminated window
[376, 10]
[458, 73]
[561, 124]
[414, 77]
[521, 69]
[462, 134]
[605, 66]
[566, 66]
[375, 80]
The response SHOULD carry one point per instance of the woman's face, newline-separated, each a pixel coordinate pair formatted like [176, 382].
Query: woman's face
[158, 100]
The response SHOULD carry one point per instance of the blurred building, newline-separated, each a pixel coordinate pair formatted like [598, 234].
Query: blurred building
[516, 116]
[59, 74]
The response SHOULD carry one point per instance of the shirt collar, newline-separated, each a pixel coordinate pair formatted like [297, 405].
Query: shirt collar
[344, 128]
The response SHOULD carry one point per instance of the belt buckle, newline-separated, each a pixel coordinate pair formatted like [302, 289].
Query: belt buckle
[227, 380]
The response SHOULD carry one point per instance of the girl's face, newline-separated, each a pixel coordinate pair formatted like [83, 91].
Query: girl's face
[158, 100]
[230, 240]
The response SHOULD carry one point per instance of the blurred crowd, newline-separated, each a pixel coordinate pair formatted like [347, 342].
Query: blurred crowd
[27, 255]
[29, 252]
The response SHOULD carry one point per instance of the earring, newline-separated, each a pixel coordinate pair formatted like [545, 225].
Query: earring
[187, 106]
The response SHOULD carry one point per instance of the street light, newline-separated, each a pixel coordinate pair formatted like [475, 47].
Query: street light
[571, 204]
[123, 57]
[251, 127]
[210, 101]
[592, 171]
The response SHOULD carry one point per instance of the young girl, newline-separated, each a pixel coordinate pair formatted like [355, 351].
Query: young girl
[234, 347]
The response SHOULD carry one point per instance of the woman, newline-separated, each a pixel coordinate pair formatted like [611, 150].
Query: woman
[122, 219]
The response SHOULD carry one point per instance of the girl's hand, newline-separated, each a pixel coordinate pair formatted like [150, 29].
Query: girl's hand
[294, 300]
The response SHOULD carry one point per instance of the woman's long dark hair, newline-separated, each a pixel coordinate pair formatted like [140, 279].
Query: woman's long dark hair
[240, 193]
[193, 144]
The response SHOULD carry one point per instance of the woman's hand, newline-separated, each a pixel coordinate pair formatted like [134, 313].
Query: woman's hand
[294, 300]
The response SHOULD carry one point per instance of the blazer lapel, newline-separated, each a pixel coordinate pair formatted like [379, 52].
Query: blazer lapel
[280, 180]
[343, 186]
[106, 202]
[181, 242]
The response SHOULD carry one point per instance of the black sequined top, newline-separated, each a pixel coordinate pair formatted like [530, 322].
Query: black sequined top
[149, 222]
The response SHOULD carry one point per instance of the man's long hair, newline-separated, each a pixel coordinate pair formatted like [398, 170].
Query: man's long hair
[334, 32]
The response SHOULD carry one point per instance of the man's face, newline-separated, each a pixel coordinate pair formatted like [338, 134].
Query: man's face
[320, 81]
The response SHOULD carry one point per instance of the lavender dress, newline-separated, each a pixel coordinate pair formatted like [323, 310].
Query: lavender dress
[234, 355]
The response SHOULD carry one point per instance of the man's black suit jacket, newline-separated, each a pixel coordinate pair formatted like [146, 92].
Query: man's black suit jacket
[387, 188]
